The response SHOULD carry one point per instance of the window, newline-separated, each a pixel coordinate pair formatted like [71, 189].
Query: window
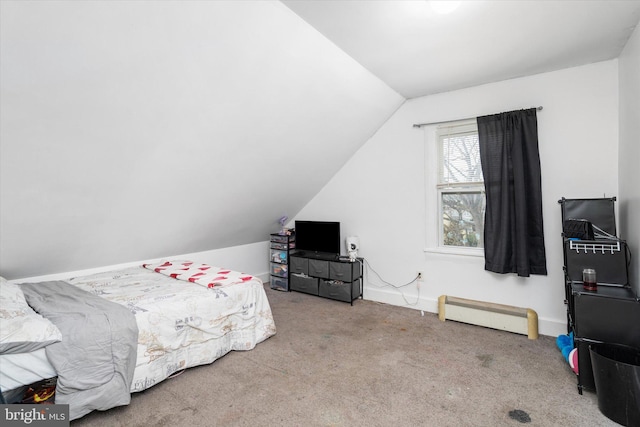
[460, 186]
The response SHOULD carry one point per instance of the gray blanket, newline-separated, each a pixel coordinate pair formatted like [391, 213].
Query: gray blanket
[97, 355]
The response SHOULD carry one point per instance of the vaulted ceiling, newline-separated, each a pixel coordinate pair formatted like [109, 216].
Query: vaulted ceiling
[133, 130]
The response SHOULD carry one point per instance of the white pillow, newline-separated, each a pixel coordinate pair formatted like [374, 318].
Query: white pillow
[21, 329]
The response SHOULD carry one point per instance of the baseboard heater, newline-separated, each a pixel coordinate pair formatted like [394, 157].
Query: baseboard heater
[496, 316]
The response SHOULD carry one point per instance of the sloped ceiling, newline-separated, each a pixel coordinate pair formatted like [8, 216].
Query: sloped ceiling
[418, 50]
[135, 130]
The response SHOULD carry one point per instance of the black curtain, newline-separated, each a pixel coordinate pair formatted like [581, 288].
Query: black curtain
[513, 233]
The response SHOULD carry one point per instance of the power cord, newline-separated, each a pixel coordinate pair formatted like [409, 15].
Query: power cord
[398, 287]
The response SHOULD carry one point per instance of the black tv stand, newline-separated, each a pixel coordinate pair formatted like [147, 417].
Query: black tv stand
[327, 275]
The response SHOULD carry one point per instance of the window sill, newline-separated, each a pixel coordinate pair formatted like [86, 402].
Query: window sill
[456, 251]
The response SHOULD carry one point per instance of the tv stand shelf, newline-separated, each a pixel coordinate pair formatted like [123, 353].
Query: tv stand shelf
[326, 275]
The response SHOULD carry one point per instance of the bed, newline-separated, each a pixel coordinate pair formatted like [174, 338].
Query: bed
[184, 315]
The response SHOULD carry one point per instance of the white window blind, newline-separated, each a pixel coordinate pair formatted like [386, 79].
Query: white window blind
[459, 153]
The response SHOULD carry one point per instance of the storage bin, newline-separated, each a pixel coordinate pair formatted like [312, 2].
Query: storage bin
[279, 283]
[280, 270]
[304, 284]
[345, 271]
[319, 268]
[616, 371]
[283, 246]
[299, 265]
[281, 238]
[339, 290]
[279, 256]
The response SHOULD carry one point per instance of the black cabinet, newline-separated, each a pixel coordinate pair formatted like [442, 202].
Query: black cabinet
[609, 315]
[336, 278]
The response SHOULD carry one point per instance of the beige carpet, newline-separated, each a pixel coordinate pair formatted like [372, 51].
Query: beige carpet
[370, 364]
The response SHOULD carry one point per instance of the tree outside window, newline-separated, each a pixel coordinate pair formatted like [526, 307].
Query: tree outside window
[460, 185]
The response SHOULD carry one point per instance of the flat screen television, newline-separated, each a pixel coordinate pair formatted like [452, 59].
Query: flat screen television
[318, 237]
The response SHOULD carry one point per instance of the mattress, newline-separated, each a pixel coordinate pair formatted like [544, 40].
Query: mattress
[20, 369]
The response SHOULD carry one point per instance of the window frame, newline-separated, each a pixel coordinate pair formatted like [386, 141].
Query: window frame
[434, 163]
[476, 189]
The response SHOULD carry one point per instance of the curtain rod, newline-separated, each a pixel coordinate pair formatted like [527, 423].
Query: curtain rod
[418, 125]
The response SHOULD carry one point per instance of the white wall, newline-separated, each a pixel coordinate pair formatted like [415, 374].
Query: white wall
[379, 195]
[251, 259]
[629, 156]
